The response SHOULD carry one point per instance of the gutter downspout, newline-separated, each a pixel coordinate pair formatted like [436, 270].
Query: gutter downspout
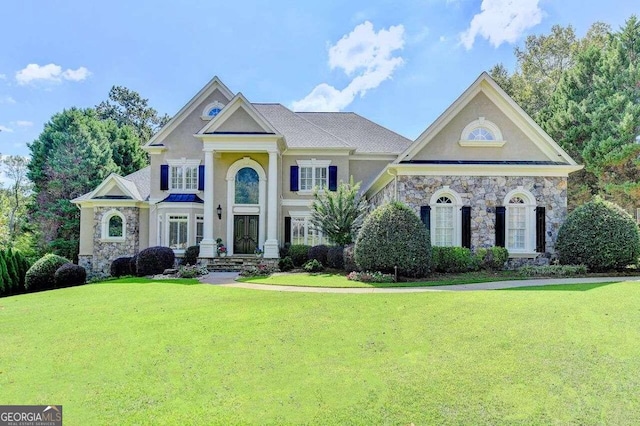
[395, 183]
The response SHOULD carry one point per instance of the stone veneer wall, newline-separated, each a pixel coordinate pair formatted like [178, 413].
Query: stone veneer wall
[483, 194]
[104, 252]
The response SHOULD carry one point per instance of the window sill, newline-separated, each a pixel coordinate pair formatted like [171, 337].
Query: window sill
[183, 191]
[113, 240]
[482, 144]
[523, 254]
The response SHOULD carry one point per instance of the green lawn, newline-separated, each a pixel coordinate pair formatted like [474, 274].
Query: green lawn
[164, 353]
[339, 280]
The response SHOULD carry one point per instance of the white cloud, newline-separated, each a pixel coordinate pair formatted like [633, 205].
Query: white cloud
[7, 100]
[5, 129]
[24, 123]
[50, 73]
[502, 21]
[3, 76]
[363, 54]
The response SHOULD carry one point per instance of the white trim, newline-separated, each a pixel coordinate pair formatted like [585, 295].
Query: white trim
[157, 149]
[168, 230]
[104, 234]
[481, 122]
[184, 162]
[481, 144]
[205, 112]
[173, 206]
[445, 191]
[323, 151]
[296, 203]
[530, 220]
[239, 101]
[314, 165]
[485, 169]
[112, 203]
[245, 208]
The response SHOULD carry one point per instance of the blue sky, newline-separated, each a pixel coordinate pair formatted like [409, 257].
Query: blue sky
[399, 63]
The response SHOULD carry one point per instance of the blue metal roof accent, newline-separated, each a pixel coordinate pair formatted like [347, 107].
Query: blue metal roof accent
[182, 198]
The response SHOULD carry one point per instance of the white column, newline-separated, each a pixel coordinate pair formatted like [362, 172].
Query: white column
[208, 245]
[271, 249]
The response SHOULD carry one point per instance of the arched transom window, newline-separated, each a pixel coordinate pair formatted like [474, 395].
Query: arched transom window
[212, 110]
[481, 133]
[247, 186]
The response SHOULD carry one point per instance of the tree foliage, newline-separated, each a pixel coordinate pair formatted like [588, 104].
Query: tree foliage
[339, 214]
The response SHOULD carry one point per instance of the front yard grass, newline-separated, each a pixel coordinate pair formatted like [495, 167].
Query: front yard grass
[339, 279]
[163, 353]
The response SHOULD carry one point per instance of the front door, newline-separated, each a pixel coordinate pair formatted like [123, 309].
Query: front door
[245, 234]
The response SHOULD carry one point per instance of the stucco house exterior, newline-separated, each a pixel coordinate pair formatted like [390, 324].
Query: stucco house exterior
[483, 174]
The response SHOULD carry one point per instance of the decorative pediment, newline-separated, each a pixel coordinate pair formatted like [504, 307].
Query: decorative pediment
[115, 187]
[238, 117]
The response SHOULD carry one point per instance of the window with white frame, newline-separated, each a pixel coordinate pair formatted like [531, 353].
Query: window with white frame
[446, 218]
[481, 133]
[520, 221]
[113, 226]
[212, 110]
[199, 228]
[178, 231]
[313, 173]
[183, 174]
[303, 232]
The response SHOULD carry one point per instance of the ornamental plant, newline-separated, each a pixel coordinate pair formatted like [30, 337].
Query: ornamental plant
[600, 235]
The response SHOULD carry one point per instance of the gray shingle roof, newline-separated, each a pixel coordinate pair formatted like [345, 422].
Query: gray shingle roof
[140, 179]
[362, 134]
[298, 132]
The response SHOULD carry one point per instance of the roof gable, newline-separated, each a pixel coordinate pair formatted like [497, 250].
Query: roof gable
[198, 101]
[486, 86]
[115, 187]
[239, 116]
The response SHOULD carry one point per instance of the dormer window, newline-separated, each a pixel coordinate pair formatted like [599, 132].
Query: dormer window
[481, 133]
[212, 110]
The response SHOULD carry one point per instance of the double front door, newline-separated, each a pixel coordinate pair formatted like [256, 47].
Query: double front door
[245, 234]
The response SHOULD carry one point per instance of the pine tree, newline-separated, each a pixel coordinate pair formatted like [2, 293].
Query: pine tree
[5, 280]
[13, 274]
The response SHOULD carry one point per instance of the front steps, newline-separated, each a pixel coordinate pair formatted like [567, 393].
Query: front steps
[236, 263]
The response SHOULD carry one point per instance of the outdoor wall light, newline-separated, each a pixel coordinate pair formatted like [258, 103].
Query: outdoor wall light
[219, 210]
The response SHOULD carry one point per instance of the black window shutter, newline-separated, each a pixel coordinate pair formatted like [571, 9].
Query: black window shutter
[164, 177]
[425, 216]
[287, 230]
[333, 178]
[540, 229]
[200, 178]
[500, 218]
[293, 179]
[466, 226]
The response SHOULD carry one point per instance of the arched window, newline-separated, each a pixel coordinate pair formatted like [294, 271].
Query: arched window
[445, 224]
[520, 221]
[113, 226]
[481, 133]
[212, 110]
[247, 186]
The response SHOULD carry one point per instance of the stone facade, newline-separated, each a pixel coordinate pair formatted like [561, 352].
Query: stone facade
[104, 252]
[484, 194]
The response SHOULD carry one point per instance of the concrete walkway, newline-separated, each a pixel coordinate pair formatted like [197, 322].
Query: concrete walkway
[227, 279]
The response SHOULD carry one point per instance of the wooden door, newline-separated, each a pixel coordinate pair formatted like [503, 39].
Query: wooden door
[245, 234]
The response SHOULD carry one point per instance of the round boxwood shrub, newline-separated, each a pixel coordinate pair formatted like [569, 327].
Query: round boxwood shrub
[600, 235]
[154, 260]
[191, 255]
[318, 253]
[133, 269]
[41, 274]
[299, 254]
[335, 257]
[120, 267]
[69, 275]
[393, 235]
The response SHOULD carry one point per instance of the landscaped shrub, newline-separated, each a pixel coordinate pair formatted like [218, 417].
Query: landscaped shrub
[41, 274]
[120, 267]
[11, 270]
[299, 254]
[313, 265]
[191, 255]
[192, 271]
[335, 257]
[285, 264]
[133, 268]
[69, 275]
[284, 250]
[452, 259]
[552, 270]
[318, 253]
[348, 258]
[491, 259]
[6, 284]
[600, 235]
[261, 270]
[154, 260]
[393, 235]
[371, 277]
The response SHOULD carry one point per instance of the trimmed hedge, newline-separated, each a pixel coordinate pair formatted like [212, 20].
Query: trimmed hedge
[191, 255]
[600, 235]
[69, 275]
[120, 267]
[154, 260]
[41, 274]
[452, 259]
[335, 257]
[393, 235]
[492, 258]
[285, 264]
[299, 254]
[318, 253]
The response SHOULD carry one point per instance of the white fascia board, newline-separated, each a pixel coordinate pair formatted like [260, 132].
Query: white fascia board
[486, 170]
[317, 151]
